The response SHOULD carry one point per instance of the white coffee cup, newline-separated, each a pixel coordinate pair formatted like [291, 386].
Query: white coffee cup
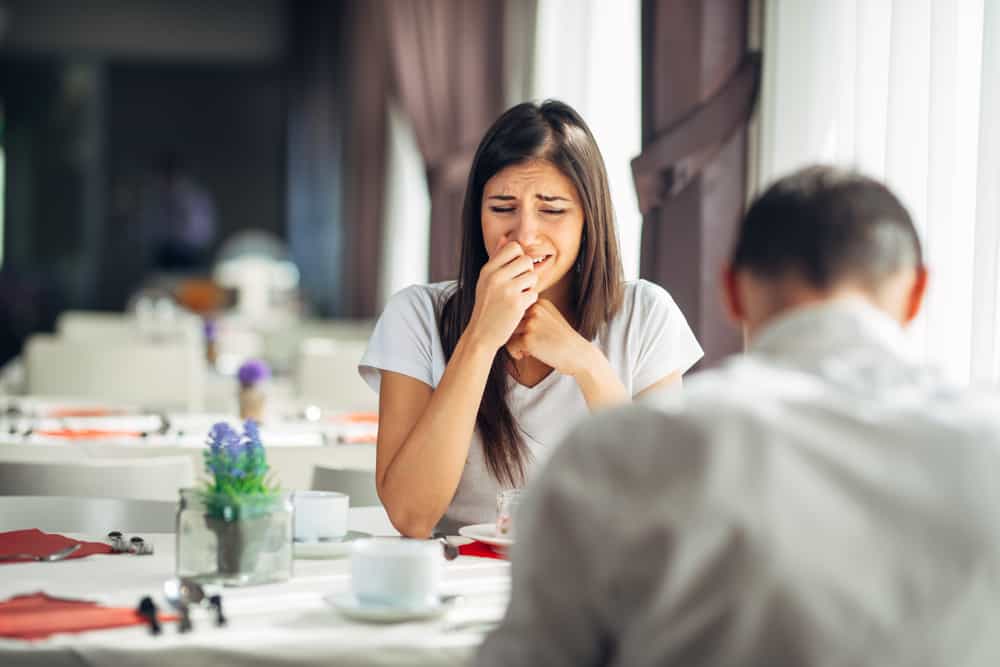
[320, 515]
[396, 572]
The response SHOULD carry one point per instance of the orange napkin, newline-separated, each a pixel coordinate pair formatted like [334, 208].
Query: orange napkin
[58, 413]
[481, 550]
[358, 427]
[87, 433]
[34, 541]
[356, 417]
[37, 616]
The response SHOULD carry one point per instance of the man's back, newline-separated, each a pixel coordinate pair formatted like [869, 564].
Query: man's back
[821, 501]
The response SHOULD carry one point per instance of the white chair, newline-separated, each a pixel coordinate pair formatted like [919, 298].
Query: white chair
[327, 374]
[96, 325]
[358, 484]
[167, 375]
[155, 478]
[95, 516]
[283, 341]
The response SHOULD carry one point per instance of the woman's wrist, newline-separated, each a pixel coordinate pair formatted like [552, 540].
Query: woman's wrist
[598, 381]
[473, 345]
[587, 360]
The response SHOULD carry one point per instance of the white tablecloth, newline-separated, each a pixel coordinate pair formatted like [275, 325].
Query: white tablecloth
[277, 624]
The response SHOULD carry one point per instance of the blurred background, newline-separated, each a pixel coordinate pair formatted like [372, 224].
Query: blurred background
[143, 140]
[288, 161]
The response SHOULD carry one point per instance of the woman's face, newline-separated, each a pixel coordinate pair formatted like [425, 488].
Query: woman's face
[536, 205]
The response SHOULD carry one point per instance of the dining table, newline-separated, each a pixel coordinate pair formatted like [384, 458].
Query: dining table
[287, 623]
[295, 446]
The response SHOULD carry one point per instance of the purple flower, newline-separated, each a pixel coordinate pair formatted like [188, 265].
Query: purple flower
[222, 435]
[253, 371]
[252, 433]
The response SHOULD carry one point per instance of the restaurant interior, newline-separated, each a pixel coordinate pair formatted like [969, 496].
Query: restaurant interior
[206, 206]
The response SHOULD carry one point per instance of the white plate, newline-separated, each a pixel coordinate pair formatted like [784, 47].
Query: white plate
[328, 548]
[349, 607]
[485, 532]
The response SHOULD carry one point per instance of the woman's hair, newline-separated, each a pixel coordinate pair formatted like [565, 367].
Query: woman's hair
[555, 133]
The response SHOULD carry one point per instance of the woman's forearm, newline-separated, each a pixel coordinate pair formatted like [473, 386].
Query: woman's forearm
[420, 480]
[598, 381]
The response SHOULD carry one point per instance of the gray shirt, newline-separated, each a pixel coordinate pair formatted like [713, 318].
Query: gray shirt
[822, 500]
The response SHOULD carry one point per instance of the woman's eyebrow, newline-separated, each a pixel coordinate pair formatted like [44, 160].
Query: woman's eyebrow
[552, 198]
[503, 197]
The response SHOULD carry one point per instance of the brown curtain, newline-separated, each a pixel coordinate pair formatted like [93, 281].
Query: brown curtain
[365, 154]
[447, 61]
[699, 84]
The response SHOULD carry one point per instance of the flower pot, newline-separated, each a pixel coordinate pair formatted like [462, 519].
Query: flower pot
[251, 399]
[236, 543]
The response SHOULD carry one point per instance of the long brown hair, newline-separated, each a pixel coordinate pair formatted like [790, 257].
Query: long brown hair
[553, 132]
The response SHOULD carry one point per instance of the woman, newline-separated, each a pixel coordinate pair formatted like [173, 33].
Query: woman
[479, 378]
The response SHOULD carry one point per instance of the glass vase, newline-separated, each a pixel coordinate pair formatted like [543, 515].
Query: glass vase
[234, 541]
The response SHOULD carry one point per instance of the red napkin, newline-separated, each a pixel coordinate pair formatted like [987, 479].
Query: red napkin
[34, 541]
[481, 550]
[37, 616]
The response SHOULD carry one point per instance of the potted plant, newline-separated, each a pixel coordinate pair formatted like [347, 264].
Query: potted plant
[248, 514]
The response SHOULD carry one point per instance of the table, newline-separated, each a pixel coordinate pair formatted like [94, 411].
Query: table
[277, 624]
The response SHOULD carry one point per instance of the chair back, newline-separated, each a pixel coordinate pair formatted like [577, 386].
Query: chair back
[326, 374]
[96, 516]
[358, 484]
[164, 375]
[154, 478]
[97, 325]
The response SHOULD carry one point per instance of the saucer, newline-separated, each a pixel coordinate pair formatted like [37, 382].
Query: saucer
[328, 548]
[486, 533]
[349, 607]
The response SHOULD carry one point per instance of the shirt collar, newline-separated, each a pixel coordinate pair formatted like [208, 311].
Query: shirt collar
[829, 329]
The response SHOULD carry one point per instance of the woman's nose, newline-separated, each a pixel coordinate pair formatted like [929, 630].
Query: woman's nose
[526, 230]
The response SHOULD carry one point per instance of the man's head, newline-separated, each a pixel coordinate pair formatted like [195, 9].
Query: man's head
[821, 234]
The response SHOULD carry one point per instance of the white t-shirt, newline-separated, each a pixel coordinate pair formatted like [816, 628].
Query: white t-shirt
[646, 341]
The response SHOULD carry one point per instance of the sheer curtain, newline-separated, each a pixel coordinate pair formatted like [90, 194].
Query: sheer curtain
[905, 91]
[588, 54]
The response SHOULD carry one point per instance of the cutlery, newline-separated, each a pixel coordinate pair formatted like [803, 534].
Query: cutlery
[50, 558]
[182, 593]
[450, 550]
[147, 609]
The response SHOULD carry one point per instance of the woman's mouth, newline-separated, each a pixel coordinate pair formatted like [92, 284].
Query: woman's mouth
[540, 261]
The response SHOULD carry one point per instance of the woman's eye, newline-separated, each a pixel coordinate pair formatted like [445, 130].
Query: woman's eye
[501, 209]
[553, 211]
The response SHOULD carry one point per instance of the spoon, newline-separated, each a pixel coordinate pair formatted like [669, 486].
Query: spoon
[50, 558]
[181, 593]
[450, 550]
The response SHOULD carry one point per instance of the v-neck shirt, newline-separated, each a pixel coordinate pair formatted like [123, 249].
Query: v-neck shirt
[647, 340]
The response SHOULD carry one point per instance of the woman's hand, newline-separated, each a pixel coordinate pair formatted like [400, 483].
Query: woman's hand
[505, 290]
[546, 335]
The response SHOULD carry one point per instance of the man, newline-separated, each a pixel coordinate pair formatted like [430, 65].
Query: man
[821, 500]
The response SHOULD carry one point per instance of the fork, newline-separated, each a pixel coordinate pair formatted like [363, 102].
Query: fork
[50, 558]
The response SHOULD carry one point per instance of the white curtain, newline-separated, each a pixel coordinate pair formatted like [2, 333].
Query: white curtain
[588, 54]
[407, 212]
[906, 91]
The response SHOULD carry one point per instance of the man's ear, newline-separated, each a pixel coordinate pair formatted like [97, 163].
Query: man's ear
[731, 299]
[915, 298]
